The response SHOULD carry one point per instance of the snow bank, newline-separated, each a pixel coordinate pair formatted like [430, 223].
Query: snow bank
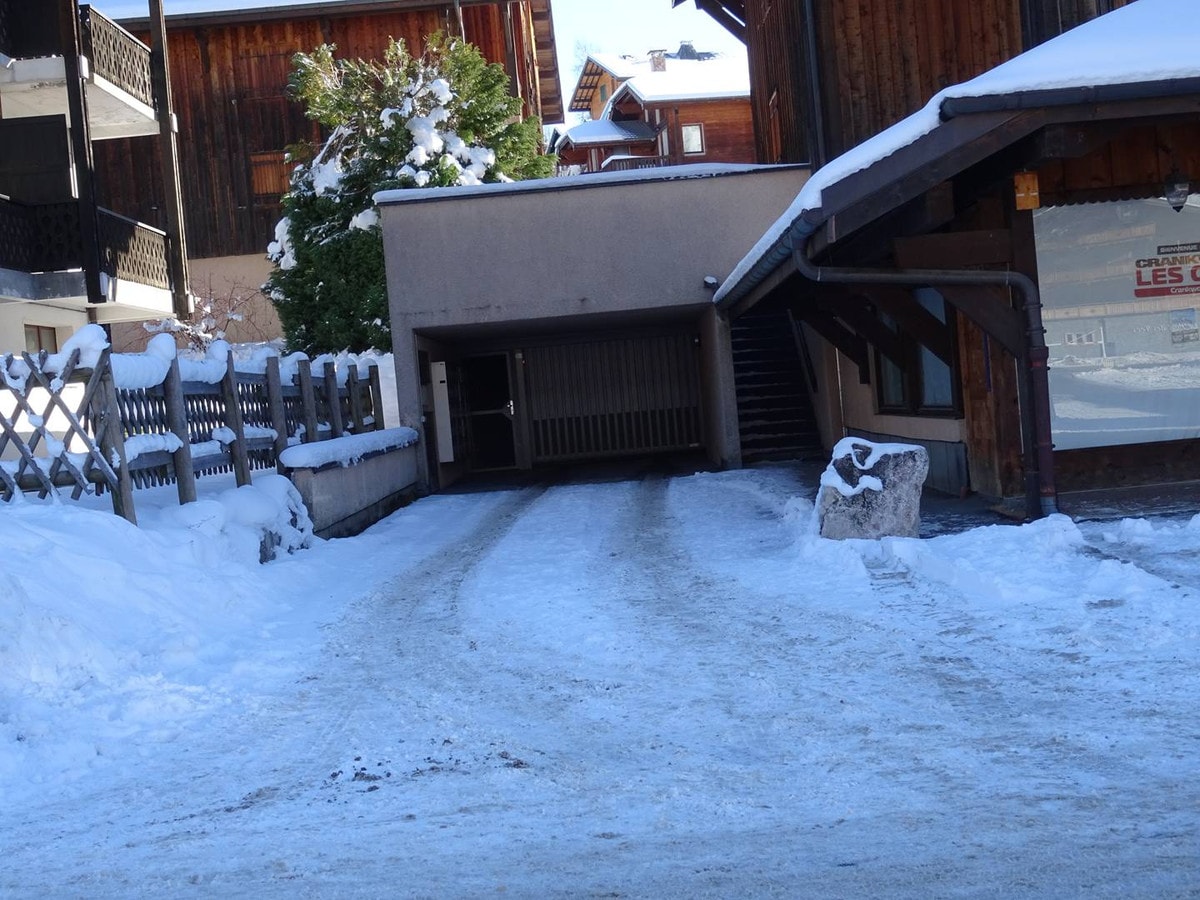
[347, 449]
[108, 629]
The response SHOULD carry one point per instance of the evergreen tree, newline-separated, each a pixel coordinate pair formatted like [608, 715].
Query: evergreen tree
[444, 118]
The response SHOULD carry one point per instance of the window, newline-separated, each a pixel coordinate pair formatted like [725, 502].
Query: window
[604, 93]
[693, 138]
[270, 174]
[41, 337]
[925, 385]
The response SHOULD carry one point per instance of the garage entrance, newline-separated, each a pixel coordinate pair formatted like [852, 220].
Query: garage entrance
[605, 398]
[562, 399]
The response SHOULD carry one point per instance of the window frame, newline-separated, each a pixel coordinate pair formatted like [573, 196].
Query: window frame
[683, 142]
[39, 342]
[912, 373]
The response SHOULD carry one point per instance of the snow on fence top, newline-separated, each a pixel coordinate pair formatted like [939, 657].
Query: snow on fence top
[166, 418]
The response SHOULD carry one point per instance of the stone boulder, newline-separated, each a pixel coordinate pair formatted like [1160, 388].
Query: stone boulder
[872, 490]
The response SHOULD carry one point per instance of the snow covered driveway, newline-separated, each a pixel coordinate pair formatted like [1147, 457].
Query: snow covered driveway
[662, 688]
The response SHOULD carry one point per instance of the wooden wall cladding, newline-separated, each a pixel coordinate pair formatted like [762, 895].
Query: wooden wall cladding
[877, 61]
[728, 130]
[228, 84]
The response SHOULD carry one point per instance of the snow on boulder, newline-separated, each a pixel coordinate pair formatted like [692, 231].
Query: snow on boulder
[872, 490]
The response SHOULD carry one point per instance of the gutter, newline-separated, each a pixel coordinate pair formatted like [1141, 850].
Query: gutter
[1040, 493]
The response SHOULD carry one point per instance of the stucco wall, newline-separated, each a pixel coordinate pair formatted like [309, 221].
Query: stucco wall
[15, 316]
[502, 257]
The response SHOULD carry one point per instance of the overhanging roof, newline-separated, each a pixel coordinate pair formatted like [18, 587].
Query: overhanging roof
[729, 14]
[599, 132]
[1111, 67]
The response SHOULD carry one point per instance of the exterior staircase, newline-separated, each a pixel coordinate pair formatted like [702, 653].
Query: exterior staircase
[775, 416]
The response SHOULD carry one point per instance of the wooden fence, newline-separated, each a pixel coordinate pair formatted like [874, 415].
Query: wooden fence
[75, 428]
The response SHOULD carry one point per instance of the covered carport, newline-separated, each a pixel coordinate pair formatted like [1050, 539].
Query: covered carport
[570, 319]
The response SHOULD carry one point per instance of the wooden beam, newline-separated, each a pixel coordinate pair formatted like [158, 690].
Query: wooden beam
[160, 71]
[913, 318]
[729, 14]
[928, 212]
[954, 249]
[854, 311]
[845, 340]
[989, 308]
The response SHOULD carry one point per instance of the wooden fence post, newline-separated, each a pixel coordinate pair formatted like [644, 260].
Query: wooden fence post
[376, 398]
[278, 412]
[233, 420]
[112, 438]
[185, 476]
[309, 401]
[333, 401]
[356, 404]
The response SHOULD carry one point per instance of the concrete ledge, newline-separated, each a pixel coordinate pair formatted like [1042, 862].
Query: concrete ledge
[344, 499]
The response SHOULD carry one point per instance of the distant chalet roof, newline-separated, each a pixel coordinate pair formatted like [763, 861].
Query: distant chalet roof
[599, 132]
[686, 59]
[721, 78]
[1124, 55]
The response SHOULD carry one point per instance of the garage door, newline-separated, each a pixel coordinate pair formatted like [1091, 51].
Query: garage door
[613, 397]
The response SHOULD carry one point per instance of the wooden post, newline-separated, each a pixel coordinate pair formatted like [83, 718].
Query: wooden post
[278, 411]
[354, 390]
[81, 146]
[376, 398]
[160, 74]
[333, 401]
[233, 420]
[181, 459]
[309, 400]
[112, 439]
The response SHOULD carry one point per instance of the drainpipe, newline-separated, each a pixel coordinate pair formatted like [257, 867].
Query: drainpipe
[817, 115]
[1040, 494]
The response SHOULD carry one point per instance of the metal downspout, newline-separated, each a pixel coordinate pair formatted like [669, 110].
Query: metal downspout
[1040, 494]
[817, 114]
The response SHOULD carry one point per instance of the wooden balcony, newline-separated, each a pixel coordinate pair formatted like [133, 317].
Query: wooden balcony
[630, 163]
[119, 92]
[41, 259]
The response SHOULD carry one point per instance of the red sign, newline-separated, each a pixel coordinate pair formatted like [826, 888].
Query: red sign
[1175, 271]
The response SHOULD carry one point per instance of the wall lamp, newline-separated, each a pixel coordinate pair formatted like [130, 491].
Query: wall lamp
[1177, 189]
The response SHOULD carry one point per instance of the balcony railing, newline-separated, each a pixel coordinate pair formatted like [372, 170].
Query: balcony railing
[133, 251]
[47, 238]
[116, 55]
[630, 163]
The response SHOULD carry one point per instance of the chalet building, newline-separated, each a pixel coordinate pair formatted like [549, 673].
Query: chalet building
[71, 81]
[230, 72]
[1010, 274]
[666, 109]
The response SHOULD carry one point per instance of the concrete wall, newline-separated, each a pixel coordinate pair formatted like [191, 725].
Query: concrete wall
[555, 251]
[344, 500]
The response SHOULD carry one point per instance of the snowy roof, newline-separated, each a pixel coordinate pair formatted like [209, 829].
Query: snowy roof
[663, 173]
[1122, 48]
[606, 131]
[716, 74]
[685, 79]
